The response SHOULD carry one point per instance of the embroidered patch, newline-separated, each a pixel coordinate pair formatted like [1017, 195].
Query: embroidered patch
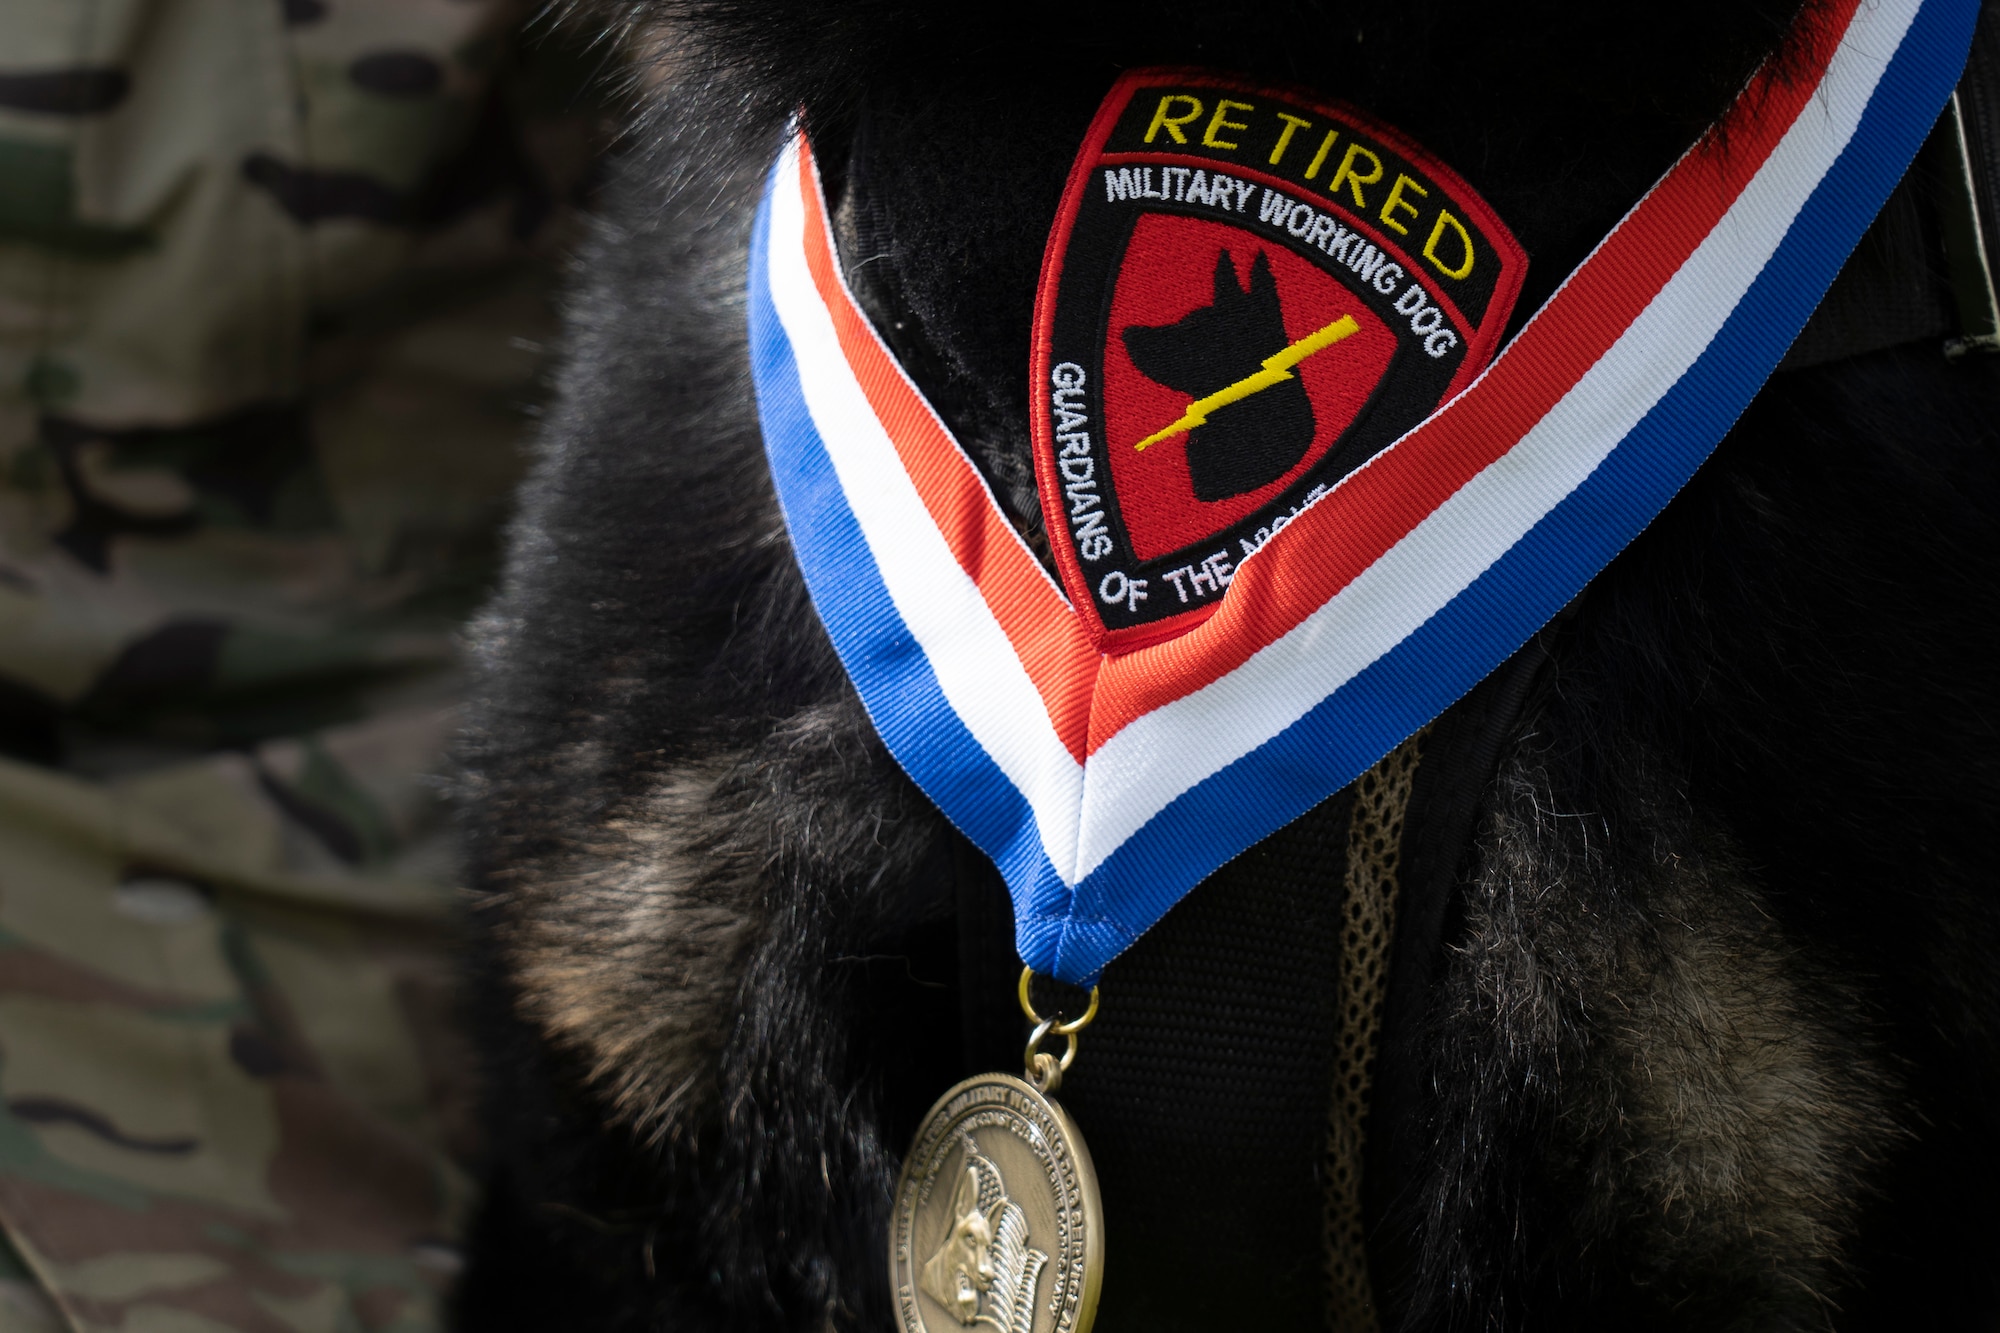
[1247, 295]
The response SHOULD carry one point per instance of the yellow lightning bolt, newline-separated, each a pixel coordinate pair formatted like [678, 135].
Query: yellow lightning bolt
[1277, 369]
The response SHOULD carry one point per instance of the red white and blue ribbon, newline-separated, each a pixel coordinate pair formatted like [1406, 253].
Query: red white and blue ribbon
[1107, 786]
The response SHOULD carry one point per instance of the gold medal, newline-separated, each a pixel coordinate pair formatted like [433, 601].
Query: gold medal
[997, 1220]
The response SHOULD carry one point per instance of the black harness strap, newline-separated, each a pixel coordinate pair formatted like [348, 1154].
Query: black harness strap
[1925, 270]
[1967, 154]
[1202, 1086]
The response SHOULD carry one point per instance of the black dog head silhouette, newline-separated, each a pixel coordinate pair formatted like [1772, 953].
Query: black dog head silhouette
[1255, 440]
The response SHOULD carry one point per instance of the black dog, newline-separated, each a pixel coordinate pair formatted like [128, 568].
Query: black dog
[1266, 434]
[1693, 1016]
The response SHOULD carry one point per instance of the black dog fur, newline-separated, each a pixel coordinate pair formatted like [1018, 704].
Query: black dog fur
[1711, 1040]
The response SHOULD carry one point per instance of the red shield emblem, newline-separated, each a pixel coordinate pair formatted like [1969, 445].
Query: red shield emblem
[1247, 295]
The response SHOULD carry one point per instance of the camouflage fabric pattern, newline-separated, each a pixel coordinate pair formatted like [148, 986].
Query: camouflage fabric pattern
[274, 276]
[220, 1108]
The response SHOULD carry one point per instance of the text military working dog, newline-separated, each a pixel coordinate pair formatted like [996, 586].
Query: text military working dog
[1689, 1018]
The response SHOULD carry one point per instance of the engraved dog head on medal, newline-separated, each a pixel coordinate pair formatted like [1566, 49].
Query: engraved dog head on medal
[1023, 1253]
[985, 1271]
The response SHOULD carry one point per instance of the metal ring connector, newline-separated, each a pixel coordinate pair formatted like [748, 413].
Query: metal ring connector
[1069, 1029]
[1045, 1071]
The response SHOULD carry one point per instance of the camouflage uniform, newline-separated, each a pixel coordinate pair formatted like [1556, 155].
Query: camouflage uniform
[272, 276]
